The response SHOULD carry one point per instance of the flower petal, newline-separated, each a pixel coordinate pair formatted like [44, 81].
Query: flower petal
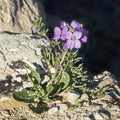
[74, 24]
[63, 24]
[70, 44]
[77, 44]
[64, 33]
[84, 39]
[57, 32]
[69, 35]
[77, 34]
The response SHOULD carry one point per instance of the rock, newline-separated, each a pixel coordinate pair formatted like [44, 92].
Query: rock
[93, 107]
[97, 116]
[84, 97]
[17, 50]
[27, 84]
[62, 107]
[101, 114]
[72, 96]
[53, 110]
[105, 114]
[106, 82]
[87, 118]
[103, 100]
[17, 15]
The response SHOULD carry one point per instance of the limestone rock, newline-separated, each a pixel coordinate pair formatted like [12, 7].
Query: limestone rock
[62, 107]
[15, 51]
[53, 110]
[72, 96]
[17, 15]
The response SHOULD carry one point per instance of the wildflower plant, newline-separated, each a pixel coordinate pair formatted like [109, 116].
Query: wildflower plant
[61, 64]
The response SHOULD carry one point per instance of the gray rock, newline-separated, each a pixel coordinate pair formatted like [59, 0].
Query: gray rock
[62, 108]
[17, 15]
[72, 96]
[84, 97]
[53, 110]
[97, 116]
[15, 51]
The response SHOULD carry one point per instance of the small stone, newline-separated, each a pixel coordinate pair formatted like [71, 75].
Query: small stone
[62, 107]
[106, 98]
[86, 104]
[106, 82]
[53, 110]
[84, 97]
[93, 107]
[18, 79]
[46, 78]
[87, 118]
[97, 116]
[105, 114]
[27, 84]
[72, 96]
[38, 51]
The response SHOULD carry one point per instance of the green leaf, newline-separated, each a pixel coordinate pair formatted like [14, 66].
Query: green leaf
[46, 100]
[49, 89]
[24, 96]
[65, 80]
[34, 76]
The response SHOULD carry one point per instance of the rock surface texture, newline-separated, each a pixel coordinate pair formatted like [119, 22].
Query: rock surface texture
[17, 15]
[15, 51]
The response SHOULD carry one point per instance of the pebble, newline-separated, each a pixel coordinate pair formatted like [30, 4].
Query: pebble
[93, 107]
[27, 84]
[97, 116]
[53, 110]
[62, 107]
[18, 79]
[105, 82]
[72, 96]
[87, 118]
[84, 97]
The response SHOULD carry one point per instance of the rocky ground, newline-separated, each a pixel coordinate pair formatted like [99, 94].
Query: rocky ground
[17, 49]
[105, 107]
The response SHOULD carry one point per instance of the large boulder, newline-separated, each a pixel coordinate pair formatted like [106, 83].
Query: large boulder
[17, 15]
[16, 50]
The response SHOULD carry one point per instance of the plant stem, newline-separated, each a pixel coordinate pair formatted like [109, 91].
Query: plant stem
[63, 57]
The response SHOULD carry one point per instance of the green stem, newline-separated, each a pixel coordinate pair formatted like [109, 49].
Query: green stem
[63, 57]
[55, 75]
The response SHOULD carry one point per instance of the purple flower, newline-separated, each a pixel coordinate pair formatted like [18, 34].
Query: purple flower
[73, 40]
[74, 24]
[60, 33]
[78, 27]
[52, 105]
[83, 39]
[63, 25]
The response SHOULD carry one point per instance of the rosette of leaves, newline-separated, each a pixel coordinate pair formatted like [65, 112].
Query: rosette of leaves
[42, 93]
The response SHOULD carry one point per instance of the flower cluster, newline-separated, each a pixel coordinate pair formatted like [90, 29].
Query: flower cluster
[72, 35]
